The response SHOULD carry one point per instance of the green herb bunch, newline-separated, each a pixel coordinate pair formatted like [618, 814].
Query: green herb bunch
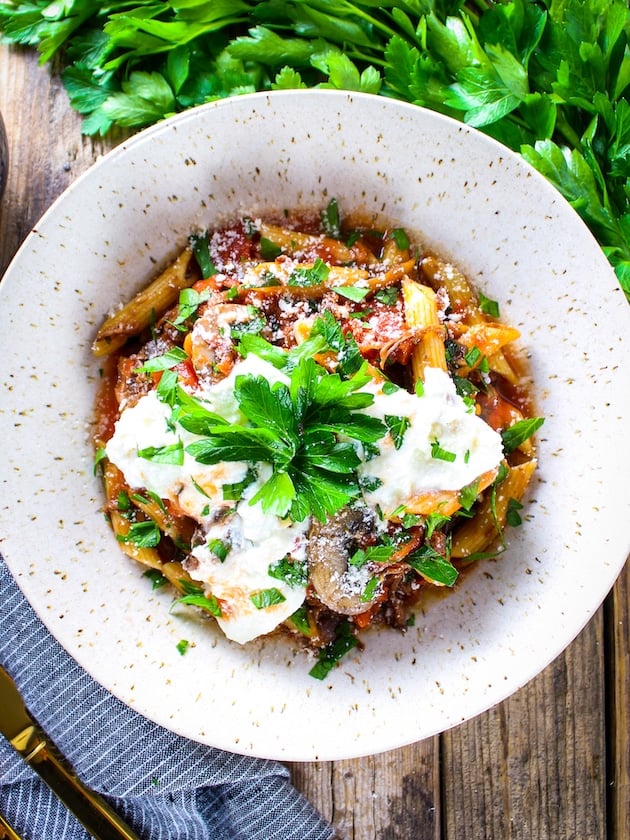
[548, 78]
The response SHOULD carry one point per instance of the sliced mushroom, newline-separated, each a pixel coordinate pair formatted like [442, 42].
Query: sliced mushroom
[330, 546]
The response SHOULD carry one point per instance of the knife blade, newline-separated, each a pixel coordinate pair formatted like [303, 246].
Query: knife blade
[39, 752]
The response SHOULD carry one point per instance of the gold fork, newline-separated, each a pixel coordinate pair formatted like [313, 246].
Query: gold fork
[38, 751]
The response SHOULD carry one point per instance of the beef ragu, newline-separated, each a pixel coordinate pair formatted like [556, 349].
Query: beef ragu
[305, 422]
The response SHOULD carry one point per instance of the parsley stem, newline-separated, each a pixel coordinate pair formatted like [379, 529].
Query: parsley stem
[377, 24]
[566, 131]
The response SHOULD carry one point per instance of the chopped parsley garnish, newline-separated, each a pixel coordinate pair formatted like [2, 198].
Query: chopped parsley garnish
[150, 497]
[433, 566]
[269, 251]
[172, 453]
[166, 361]
[156, 577]
[400, 238]
[200, 244]
[219, 548]
[314, 275]
[290, 571]
[344, 642]
[468, 495]
[145, 534]
[370, 589]
[513, 516]
[266, 598]
[388, 295]
[331, 222]
[372, 554]
[189, 302]
[519, 432]
[182, 646]
[205, 602]
[397, 427]
[99, 456]
[253, 326]
[433, 522]
[234, 492]
[472, 356]
[370, 483]
[440, 453]
[465, 388]
[355, 293]
[390, 387]
[300, 621]
[488, 306]
[123, 502]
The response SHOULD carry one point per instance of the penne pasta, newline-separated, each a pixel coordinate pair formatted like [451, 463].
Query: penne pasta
[421, 315]
[295, 242]
[115, 487]
[146, 306]
[309, 435]
[479, 533]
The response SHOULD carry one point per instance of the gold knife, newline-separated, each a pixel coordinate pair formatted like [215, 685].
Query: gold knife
[7, 832]
[32, 743]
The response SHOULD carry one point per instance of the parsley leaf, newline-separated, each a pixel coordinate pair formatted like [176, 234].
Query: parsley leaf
[397, 427]
[290, 571]
[433, 566]
[264, 598]
[344, 642]
[208, 603]
[519, 432]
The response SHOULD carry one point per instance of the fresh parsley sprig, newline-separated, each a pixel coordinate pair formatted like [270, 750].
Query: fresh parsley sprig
[305, 430]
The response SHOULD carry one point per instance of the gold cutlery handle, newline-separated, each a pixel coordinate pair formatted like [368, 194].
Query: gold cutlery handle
[7, 832]
[97, 817]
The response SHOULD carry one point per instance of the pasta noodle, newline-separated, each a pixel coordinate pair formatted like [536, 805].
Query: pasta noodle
[306, 423]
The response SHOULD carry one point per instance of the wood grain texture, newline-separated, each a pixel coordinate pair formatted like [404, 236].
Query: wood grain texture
[47, 151]
[552, 761]
[618, 684]
[391, 796]
[533, 768]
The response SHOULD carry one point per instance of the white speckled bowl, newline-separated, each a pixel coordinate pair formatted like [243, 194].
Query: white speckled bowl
[480, 205]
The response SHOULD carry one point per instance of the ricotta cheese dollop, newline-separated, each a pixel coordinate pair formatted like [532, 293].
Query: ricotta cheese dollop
[444, 445]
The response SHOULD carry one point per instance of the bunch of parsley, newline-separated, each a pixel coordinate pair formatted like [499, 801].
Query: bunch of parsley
[548, 78]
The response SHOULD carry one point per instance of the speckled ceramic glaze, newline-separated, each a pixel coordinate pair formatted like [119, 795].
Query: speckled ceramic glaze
[478, 204]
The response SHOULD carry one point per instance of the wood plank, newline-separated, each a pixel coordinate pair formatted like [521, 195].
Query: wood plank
[618, 615]
[47, 151]
[533, 767]
[391, 796]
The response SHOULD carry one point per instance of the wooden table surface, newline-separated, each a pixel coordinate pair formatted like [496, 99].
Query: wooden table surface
[552, 761]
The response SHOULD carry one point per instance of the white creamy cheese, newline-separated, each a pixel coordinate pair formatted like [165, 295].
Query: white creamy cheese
[439, 416]
[256, 540]
[193, 487]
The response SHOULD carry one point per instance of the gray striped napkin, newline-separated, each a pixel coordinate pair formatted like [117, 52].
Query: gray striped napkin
[164, 786]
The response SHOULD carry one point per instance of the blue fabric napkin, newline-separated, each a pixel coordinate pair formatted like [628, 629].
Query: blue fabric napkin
[164, 786]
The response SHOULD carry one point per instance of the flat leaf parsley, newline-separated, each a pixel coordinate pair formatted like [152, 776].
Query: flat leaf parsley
[306, 428]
